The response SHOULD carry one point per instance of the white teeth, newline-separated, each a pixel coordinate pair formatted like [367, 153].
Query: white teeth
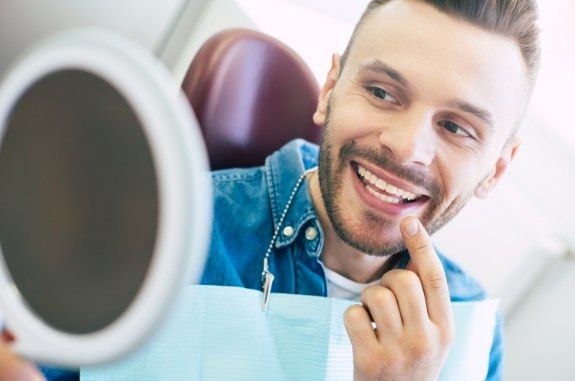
[382, 196]
[381, 184]
[372, 178]
[393, 190]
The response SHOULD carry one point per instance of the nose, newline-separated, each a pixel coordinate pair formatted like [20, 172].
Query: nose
[409, 138]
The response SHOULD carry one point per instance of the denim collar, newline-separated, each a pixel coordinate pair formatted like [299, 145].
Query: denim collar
[283, 169]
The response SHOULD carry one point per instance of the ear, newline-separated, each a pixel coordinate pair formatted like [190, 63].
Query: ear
[320, 115]
[507, 155]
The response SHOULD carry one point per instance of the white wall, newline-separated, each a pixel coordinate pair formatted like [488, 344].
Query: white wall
[191, 32]
[24, 22]
[303, 25]
[541, 334]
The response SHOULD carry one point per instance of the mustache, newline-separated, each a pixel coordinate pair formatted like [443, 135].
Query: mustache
[418, 177]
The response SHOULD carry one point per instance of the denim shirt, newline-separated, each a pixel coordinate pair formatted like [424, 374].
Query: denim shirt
[248, 204]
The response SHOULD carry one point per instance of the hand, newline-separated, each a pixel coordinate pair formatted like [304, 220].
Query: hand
[412, 313]
[12, 368]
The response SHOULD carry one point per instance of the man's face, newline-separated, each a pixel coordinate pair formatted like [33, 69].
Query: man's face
[415, 123]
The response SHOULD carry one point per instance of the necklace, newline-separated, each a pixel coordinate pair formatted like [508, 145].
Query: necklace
[267, 276]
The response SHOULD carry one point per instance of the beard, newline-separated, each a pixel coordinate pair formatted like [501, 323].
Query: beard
[370, 232]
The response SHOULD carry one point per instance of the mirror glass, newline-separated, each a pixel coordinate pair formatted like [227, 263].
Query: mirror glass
[78, 199]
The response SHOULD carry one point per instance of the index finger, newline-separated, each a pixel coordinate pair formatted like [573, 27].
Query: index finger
[428, 267]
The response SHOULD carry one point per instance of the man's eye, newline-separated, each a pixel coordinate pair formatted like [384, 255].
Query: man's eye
[455, 128]
[382, 94]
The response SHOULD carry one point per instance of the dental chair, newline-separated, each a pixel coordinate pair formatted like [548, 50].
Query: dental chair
[251, 95]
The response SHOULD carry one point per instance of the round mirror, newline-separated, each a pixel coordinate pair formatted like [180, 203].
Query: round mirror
[78, 201]
[104, 198]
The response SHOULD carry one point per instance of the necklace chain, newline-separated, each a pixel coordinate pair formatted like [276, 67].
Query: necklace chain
[267, 276]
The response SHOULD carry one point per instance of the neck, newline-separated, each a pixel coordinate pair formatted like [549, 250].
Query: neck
[337, 255]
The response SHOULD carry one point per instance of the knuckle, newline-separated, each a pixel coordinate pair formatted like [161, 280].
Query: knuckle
[422, 350]
[422, 245]
[368, 291]
[382, 297]
[353, 314]
[405, 278]
[366, 295]
[436, 279]
[424, 343]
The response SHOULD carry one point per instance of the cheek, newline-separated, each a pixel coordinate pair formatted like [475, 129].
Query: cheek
[459, 174]
[352, 119]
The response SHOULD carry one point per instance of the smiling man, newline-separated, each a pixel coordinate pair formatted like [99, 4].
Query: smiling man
[419, 115]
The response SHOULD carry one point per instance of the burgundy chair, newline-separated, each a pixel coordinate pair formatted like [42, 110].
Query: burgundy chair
[251, 95]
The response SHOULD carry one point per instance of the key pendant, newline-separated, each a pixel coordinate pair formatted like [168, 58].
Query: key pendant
[268, 280]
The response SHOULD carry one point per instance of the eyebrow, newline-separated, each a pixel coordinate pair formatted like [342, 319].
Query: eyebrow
[480, 113]
[376, 66]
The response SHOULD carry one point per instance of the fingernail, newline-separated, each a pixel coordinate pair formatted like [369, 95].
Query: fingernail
[412, 227]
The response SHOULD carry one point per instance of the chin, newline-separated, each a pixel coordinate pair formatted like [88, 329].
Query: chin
[368, 233]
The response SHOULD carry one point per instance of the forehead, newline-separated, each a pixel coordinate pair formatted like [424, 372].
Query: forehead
[443, 58]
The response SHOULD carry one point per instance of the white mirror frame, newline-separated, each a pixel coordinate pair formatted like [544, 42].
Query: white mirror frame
[185, 198]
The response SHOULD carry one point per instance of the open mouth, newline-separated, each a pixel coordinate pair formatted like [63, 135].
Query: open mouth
[385, 191]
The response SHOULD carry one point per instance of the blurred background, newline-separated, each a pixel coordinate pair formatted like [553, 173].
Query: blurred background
[519, 243]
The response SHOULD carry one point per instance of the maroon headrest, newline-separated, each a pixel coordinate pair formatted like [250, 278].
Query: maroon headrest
[251, 95]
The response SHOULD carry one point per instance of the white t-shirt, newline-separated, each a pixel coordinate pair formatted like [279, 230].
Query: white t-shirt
[341, 287]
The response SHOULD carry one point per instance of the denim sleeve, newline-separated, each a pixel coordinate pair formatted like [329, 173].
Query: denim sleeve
[57, 374]
[496, 355]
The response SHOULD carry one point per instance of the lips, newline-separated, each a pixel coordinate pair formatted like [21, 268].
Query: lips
[385, 192]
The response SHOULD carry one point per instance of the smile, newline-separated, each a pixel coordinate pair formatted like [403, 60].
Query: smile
[383, 190]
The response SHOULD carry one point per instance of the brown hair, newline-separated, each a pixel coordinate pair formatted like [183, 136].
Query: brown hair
[515, 19]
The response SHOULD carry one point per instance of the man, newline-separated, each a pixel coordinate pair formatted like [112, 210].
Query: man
[418, 115]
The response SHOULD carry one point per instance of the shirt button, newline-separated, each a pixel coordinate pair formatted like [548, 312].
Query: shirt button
[310, 233]
[288, 231]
